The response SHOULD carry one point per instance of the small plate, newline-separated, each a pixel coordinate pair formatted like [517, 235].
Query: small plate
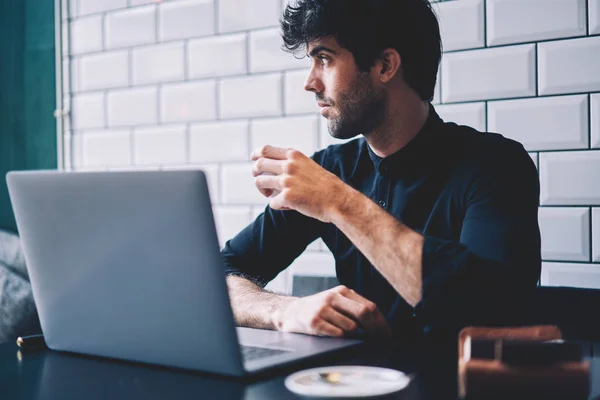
[346, 381]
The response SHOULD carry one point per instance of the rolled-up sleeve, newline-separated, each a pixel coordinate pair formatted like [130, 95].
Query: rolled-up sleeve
[269, 245]
[487, 276]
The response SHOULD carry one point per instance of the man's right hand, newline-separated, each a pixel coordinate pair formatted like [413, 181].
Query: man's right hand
[334, 312]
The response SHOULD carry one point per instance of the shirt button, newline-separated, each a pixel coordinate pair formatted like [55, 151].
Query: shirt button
[382, 203]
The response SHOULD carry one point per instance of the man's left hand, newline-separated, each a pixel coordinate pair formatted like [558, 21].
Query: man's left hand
[296, 182]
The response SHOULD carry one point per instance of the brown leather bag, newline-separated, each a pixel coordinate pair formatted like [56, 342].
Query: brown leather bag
[490, 378]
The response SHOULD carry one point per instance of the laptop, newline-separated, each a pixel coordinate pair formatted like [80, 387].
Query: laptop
[127, 265]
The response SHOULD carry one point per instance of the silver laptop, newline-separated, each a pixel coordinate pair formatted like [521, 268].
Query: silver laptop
[127, 265]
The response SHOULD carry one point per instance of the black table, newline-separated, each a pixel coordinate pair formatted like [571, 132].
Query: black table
[53, 375]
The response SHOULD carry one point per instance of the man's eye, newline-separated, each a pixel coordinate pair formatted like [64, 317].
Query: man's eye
[323, 59]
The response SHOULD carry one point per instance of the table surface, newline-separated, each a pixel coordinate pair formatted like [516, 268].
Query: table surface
[49, 374]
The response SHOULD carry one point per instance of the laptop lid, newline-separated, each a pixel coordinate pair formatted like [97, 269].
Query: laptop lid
[127, 265]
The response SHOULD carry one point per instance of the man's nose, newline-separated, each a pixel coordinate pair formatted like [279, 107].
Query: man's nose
[313, 83]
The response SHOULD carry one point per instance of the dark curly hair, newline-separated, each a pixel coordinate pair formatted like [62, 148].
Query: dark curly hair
[366, 28]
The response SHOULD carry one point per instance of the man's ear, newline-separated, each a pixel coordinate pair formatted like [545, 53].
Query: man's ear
[389, 62]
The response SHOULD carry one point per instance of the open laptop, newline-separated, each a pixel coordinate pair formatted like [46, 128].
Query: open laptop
[127, 265]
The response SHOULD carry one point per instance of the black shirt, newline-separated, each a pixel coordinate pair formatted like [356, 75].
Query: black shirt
[472, 195]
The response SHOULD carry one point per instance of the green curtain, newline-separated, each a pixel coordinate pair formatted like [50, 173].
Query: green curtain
[27, 92]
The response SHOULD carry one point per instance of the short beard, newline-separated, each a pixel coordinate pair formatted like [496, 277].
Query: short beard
[362, 110]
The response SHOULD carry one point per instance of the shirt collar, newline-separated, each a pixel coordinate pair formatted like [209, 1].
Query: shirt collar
[415, 151]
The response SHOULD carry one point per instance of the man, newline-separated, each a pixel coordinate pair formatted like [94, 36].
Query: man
[433, 226]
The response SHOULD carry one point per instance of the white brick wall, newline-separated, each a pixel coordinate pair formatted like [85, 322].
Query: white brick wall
[200, 83]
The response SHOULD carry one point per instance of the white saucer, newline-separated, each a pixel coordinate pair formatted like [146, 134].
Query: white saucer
[346, 381]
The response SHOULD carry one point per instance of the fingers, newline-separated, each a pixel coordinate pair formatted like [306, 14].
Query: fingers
[364, 311]
[276, 153]
[322, 327]
[268, 182]
[339, 320]
[267, 165]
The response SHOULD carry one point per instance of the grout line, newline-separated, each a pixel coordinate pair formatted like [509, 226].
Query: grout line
[156, 23]
[216, 8]
[487, 113]
[587, 17]
[591, 226]
[589, 121]
[103, 32]
[536, 70]
[485, 41]
[248, 53]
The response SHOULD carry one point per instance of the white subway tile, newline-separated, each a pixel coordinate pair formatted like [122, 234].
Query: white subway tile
[565, 233]
[595, 104]
[237, 185]
[217, 56]
[470, 114]
[105, 148]
[596, 234]
[570, 178]
[571, 275]
[131, 27]
[160, 145]
[488, 74]
[219, 142]
[314, 264]
[545, 123]
[296, 99]
[236, 15]
[132, 107]
[141, 2]
[510, 21]
[569, 66]
[99, 6]
[230, 221]
[266, 54]
[86, 35]
[189, 101]
[88, 110]
[594, 15]
[325, 139]
[104, 70]
[186, 19]
[299, 133]
[461, 24]
[161, 63]
[253, 96]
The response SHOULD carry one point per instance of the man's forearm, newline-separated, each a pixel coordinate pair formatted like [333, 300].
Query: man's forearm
[394, 249]
[254, 307]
